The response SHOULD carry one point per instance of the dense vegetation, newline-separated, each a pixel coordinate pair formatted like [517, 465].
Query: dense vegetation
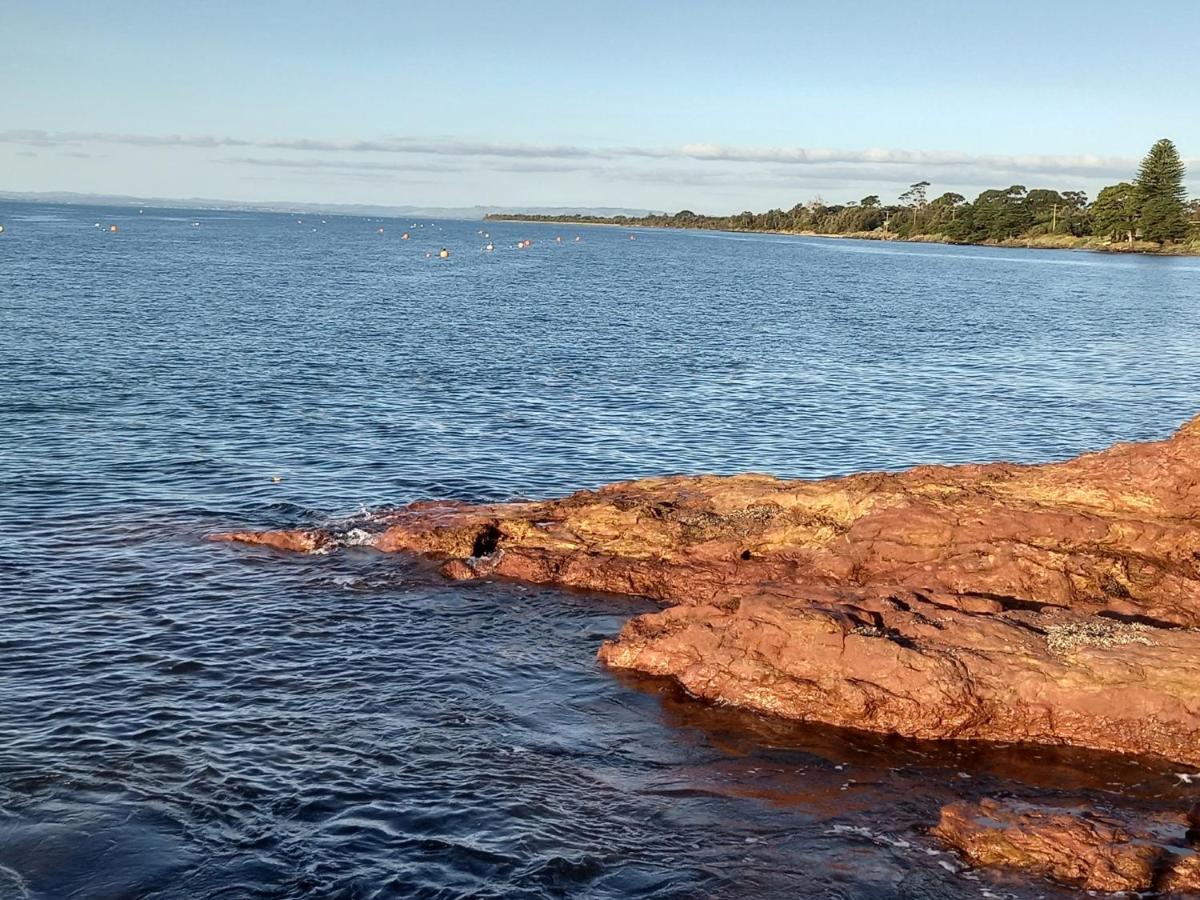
[1151, 211]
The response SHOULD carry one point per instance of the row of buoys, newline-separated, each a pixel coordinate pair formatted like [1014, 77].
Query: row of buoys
[525, 244]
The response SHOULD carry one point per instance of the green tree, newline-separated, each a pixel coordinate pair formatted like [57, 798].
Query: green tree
[914, 199]
[1044, 206]
[1161, 197]
[1073, 218]
[1000, 214]
[942, 212]
[1115, 212]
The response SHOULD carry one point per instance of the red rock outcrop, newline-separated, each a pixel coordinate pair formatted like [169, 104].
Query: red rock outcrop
[1077, 847]
[1057, 603]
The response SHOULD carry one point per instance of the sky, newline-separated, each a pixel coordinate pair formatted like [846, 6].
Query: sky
[711, 106]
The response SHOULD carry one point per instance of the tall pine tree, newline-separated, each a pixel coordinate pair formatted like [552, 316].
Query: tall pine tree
[1161, 197]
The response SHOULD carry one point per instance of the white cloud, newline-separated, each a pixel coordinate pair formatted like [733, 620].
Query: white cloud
[874, 159]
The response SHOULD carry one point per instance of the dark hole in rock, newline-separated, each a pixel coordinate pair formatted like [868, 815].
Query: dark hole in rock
[1133, 619]
[486, 542]
[746, 554]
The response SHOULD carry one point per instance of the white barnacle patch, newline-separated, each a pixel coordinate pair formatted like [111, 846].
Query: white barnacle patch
[1064, 639]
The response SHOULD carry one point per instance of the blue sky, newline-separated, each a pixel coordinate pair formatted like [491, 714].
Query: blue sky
[713, 106]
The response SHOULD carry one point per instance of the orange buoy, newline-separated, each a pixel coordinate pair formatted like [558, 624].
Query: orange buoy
[113, 229]
[443, 253]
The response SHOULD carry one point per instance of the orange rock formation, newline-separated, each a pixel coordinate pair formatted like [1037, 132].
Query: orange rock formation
[1056, 603]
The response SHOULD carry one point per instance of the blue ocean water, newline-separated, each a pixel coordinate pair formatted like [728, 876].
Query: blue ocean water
[183, 719]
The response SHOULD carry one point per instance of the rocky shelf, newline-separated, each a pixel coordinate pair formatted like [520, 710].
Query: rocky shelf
[1053, 604]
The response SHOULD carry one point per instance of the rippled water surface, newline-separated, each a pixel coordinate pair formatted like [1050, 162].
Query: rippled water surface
[180, 719]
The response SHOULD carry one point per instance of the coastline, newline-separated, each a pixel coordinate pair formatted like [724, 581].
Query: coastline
[1040, 242]
[1051, 605]
[871, 559]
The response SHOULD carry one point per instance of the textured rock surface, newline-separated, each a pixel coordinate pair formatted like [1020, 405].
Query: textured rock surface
[1054, 604]
[1080, 848]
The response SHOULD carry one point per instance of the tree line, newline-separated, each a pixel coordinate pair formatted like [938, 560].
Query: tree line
[1152, 208]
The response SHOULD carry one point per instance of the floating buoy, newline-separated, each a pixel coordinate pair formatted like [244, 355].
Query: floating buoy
[443, 253]
[633, 237]
[195, 224]
[276, 479]
[97, 225]
[404, 237]
[490, 246]
[140, 211]
[379, 231]
[557, 239]
[113, 229]
[299, 221]
[429, 256]
[1, 229]
[578, 239]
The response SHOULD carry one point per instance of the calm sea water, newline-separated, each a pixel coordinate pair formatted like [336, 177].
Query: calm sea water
[180, 719]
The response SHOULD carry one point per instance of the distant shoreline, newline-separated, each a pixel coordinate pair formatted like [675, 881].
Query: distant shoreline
[1041, 242]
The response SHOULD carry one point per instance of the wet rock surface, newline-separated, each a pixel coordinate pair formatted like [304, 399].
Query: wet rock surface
[1078, 847]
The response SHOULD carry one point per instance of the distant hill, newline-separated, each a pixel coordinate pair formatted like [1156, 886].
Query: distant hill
[345, 209]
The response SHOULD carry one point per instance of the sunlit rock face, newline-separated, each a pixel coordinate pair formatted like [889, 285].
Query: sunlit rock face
[1079, 847]
[1054, 604]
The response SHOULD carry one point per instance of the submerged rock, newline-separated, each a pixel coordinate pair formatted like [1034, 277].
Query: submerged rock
[1077, 847]
[1055, 604]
